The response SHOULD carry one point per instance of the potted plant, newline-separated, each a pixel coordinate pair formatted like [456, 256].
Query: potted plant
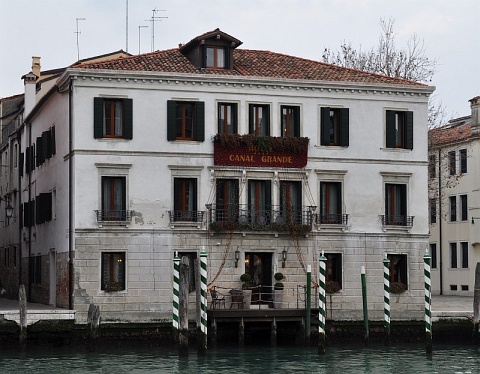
[246, 279]
[278, 291]
[397, 287]
[113, 287]
[332, 287]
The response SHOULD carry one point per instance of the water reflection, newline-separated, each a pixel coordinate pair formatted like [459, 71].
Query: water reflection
[351, 359]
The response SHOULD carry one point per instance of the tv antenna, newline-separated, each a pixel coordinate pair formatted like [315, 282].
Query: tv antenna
[153, 20]
[78, 33]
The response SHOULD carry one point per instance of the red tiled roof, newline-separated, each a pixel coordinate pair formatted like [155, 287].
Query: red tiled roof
[252, 63]
[450, 134]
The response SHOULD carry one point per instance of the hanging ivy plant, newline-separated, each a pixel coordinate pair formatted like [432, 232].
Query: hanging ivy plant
[263, 144]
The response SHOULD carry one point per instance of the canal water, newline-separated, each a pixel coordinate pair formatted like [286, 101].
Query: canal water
[346, 359]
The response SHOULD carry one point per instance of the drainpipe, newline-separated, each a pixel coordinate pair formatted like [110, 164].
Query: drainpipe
[440, 220]
[70, 199]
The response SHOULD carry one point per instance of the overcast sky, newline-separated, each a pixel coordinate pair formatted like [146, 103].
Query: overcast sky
[303, 28]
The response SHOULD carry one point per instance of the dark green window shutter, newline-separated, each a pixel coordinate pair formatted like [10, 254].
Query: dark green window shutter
[296, 120]
[171, 123]
[28, 159]
[200, 121]
[39, 151]
[390, 129]
[20, 215]
[53, 145]
[235, 118]
[251, 129]
[45, 155]
[97, 117]
[268, 195]
[267, 119]
[409, 130]
[344, 127]
[20, 163]
[324, 122]
[128, 120]
[195, 207]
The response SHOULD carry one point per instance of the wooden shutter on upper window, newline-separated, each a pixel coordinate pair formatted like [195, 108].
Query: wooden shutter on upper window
[39, 151]
[344, 127]
[200, 121]
[296, 121]
[128, 120]
[324, 123]
[409, 130]
[390, 129]
[98, 117]
[53, 144]
[171, 123]
[20, 163]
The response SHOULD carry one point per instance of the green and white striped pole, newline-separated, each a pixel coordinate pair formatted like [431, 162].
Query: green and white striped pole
[363, 278]
[386, 297]
[428, 302]
[176, 293]
[202, 346]
[322, 305]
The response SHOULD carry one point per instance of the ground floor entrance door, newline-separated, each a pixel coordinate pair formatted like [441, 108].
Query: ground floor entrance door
[259, 266]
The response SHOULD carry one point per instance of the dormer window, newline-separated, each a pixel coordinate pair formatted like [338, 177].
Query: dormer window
[215, 57]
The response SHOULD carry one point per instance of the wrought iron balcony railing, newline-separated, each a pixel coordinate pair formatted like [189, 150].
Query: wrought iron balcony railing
[186, 215]
[244, 217]
[332, 219]
[389, 220]
[114, 215]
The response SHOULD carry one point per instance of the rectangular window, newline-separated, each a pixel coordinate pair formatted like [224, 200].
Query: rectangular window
[290, 116]
[114, 199]
[433, 254]
[113, 271]
[453, 287]
[433, 210]
[259, 202]
[432, 162]
[227, 118]
[463, 161]
[113, 118]
[333, 275]
[259, 120]
[35, 269]
[452, 163]
[227, 209]
[215, 57]
[453, 255]
[464, 287]
[396, 204]
[291, 202]
[331, 203]
[399, 129]
[185, 120]
[464, 249]
[334, 126]
[464, 207]
[185, 199]
[453, 208]
[398, 272]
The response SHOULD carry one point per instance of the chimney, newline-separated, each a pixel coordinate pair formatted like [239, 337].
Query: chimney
[474, 105]
[36, 66]
[29, 80]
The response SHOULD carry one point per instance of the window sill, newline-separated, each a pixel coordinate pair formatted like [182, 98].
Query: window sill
[183, 224]
[396, 228]
[114, 223]
[330, 227]
[401, 150]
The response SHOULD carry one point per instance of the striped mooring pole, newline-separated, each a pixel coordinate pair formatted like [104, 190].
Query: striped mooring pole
[386, 298]
[202, 341]
[428, 302]
[363, 278]
[176, 293]
[321, 305]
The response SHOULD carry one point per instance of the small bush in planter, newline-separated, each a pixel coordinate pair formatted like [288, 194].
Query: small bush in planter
[278, 285]
[397, 287]
[113, 287]
[332, 287]
[246, 280]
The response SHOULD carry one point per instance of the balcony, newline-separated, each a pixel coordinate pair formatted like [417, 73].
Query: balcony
[404, 221]
[186, 216]
[296, 219]
[120, 216]
[332, 219]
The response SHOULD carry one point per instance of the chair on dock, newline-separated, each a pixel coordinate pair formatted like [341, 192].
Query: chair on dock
[237, 299]
[217, 299]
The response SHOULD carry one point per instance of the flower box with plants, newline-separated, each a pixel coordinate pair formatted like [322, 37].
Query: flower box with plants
[113, 287]
[397, 287]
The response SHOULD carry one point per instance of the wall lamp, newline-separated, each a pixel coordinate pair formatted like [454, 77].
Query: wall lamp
[8, 208]
[473, 219]
[237, 257]
[284, 257]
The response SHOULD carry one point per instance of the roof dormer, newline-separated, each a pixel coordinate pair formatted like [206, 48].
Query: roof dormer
[212, 50]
